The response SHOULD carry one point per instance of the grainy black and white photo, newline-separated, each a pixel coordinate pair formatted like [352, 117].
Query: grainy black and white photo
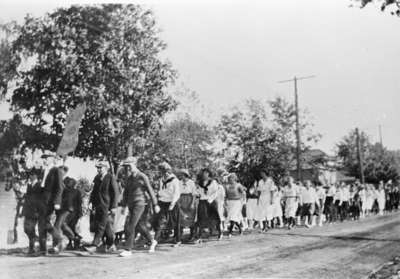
[199, 139]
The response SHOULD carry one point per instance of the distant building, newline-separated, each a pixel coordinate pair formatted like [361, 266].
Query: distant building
[320, 168]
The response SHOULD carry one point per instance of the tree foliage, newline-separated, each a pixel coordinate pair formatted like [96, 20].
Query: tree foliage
[262, 137]
[107, 56]
[379, 162]
[394, 5]
[185, 143]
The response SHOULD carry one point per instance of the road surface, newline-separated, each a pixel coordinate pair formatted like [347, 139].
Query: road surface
[345, 250]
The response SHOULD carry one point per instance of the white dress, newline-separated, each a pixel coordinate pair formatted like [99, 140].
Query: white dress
[265, 207]
[381, 199]
[252, 205]
[290, 195]
[277, 204]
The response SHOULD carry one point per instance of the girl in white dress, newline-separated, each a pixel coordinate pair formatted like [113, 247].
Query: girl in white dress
[291, 196]
[252, 205]
[363, 197]
[369, 198]
[381, 198]
[266, 188]
[277, 204]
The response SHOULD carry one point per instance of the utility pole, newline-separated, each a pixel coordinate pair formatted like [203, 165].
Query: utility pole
[380, 135]
[360, 156]
[298, 139]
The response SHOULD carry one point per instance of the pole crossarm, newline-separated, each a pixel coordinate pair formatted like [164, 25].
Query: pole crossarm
[298, 78]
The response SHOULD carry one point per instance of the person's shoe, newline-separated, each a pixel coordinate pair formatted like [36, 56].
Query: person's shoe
[307, 225]
[125, 253]
[31, 252]
[153, 245]
[54, 250]
[101, 249]
[220, 237]
[230, 235]
[91, 249]
[69, 246]
[198, 241]
[177, 244]
[41, 254]
[112, 249]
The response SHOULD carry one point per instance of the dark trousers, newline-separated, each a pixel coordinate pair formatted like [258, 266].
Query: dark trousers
[232, 224]
[344, 210]
[104, 227]
[29, 229]
[45, 227]
[168, 219]
[136, 221]
[61, 217]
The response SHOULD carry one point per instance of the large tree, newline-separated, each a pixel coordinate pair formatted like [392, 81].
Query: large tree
[261, 136]
[106, 56]
[393, 5]
[379, 162]
[184, 142]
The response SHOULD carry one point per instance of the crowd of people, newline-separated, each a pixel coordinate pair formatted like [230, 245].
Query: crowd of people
[127, 208]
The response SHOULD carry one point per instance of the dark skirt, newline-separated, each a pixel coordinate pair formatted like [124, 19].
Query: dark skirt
[328, 206]
[167, 219]
[187, 212]
[207, 214]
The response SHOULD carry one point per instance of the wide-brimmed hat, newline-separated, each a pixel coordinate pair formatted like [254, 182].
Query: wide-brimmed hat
[129, 161]
[165, 166]
[101, 164]
[184, 172]
[47, 154]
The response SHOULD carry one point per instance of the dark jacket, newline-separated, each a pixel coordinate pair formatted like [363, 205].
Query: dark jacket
[54, 186]
[136, 189]
[105, 192]
[72, 200]
[35, 202]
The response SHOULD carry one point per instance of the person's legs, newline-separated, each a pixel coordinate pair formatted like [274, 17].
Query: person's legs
[239, 228]
[109, 232]
[161, 220]
[57, 234]
[29, 229]
[101, 220]
[230, 229]
[43, 228]
[176, 220]
[135, 213]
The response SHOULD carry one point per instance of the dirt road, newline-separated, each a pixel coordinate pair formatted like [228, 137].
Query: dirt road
[347, 250]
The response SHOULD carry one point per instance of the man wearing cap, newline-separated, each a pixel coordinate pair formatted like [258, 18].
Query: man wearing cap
[104, 199]
[168, 196]
[53, 188]
[134, 199]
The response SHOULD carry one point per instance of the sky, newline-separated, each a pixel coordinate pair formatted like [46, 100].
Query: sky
[228, 51]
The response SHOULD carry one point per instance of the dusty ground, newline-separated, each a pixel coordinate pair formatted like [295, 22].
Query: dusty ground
[347, 250]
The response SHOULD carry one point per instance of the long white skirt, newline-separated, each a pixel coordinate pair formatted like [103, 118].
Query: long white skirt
[277, 212]
[265, 210]
[381, 204]
[251, 209]
[119, 220]
[234, 210]
[291, 208]
[369, 203]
